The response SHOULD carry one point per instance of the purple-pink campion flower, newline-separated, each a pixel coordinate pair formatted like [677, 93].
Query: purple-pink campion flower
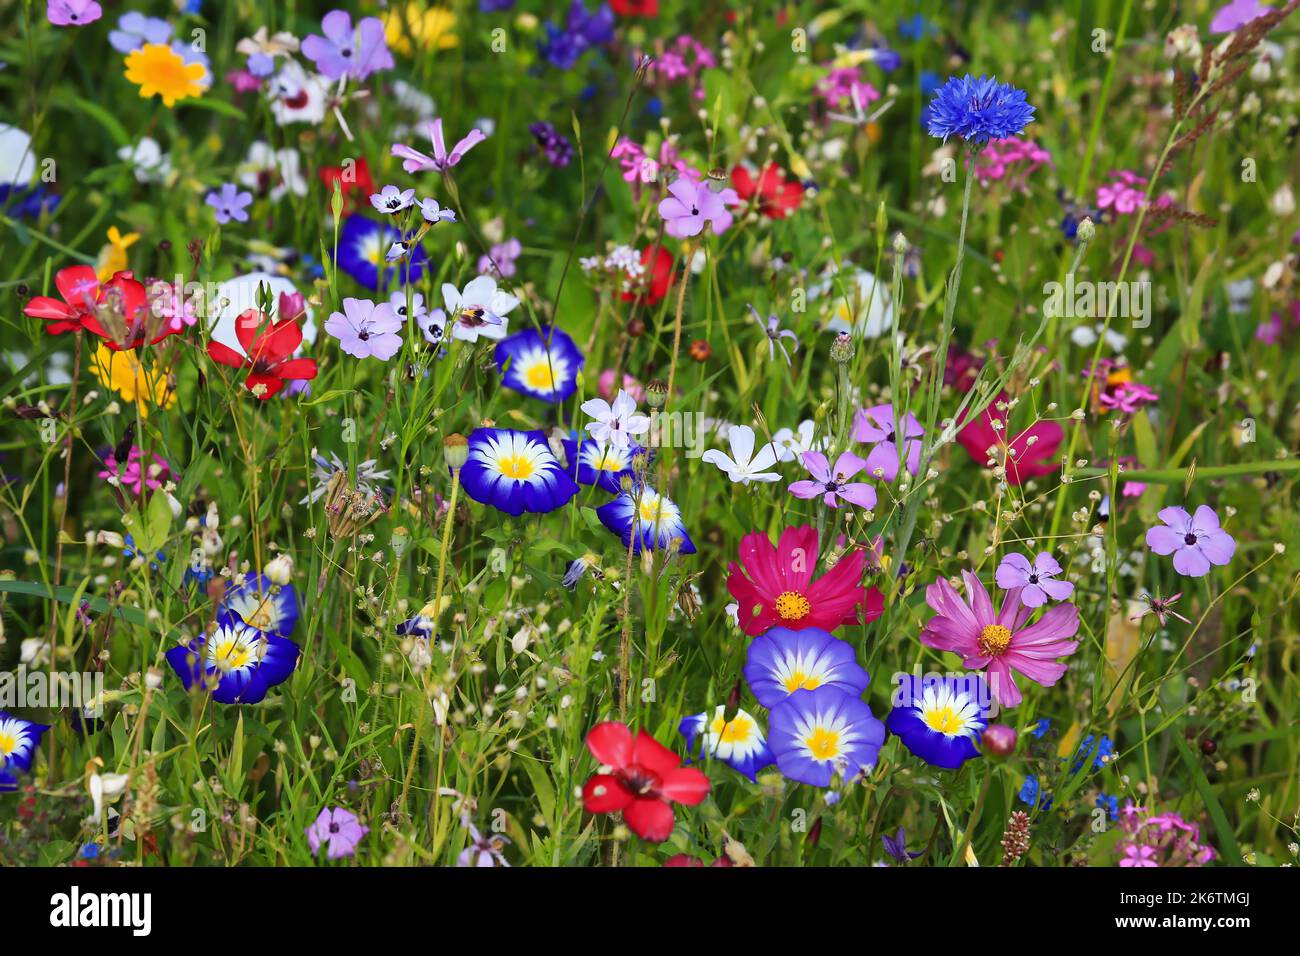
[1196, 541]
[1036, 579]
[690, 205]
[500, 259]
[1000, 642]
[876, 426]
[833, 485]
[1235, 15]
[339, 830]
[366, 330]
[131, 477]
[414, 161]
[1123, 195]
[344, 51]
[72, 13]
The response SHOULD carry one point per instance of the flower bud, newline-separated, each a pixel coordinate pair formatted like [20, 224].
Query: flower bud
[279, 570]
[999, 740]
[842, 349]
[455, 451]
[1087, 230]
[656, 393]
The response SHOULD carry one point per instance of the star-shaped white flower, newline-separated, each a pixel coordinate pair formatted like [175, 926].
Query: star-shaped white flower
[790, 445]
[743, 466]
[615, 424]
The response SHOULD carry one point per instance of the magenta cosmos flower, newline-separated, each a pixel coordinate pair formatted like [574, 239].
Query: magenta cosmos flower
[1036, 579]
[1000, 642]
[876, 426]
[1196, 541]
[832, 485]
[337, 829]
[690, 205]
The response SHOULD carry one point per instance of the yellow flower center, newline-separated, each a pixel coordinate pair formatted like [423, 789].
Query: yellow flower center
[262, 618]
[792, 606]
[8, 743]
[650, 511]
[801, 681]
[994, 640]
[732, 731]
[232, 655]
[943, 719]
[539, 377]
[516, 466]
[823, 744]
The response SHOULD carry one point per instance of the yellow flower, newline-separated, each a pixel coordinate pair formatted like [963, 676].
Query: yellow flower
[123, 373]
[112, 258]
[157, 68]
[431, 28]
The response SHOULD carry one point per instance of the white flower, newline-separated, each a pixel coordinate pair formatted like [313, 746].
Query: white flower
[743, 466]
[151, 164]
[17, 161]
[861, 305]
[790, 445]
[280, 166]
[298, 96]
[105, 786]
[479, 310]
[393, 199]
[615, 424]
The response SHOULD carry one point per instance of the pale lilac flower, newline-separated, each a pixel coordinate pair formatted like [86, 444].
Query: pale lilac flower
[1036, 579]
[415, 161]
[500, 259]
[230, 203]
[479, 310]
[344, 51]
[690, 205]
[419, 314]
[482, 850]
[743, 466]
[339, 829]
[876, 426]
[834, 484]
[615, 424]
[1235, 15]
[366, 330]
[392, 199]
[772, 329]
[1196, 542]
[434, 214]
[1160, 607]
[72, 13]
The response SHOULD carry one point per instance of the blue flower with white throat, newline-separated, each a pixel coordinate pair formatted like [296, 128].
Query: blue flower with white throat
[646, 520]
[514, 472]
[738, 742]
[596, 463]
[239, 664]
[260, 604]
[940, 720]
[818, 735]
[782, 661]
[19, 739]
[363, 251]
[543, 365]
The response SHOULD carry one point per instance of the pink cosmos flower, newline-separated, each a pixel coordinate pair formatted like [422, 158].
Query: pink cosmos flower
[691, 205]
[1195, 541]
[834, 485]
[1036, 579]
[339, 829]
[1000, 642]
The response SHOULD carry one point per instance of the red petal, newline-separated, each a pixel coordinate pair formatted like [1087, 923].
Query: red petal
[78, 285]
[272, 383]
[43, 307]
[653, 755]
[611, 743]
[297, 369]
[246, 326]
[225, 355]
[280, 342]
[685, 785]
[605, 794]
[650, 820]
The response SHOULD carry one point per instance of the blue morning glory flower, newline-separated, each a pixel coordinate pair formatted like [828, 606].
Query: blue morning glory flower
[595, 463]
[978, 110]
[646, 520]
[259, 603]
[737, 742]
[18, 742]
[941, 720]
[816, 735]
[363, 246]
[514, 472]
[781, 662]
[238, 663]
[538, 368]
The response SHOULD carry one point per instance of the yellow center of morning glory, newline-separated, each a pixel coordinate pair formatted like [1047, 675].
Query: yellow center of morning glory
[539, 377]
[994, 640]
[824, 744]
[737, 730]
[516, 466]
[263, 618]
[792, 605]
[650, 511]
[943, 719]
[8, 743]
[801, 681]
[232, 655]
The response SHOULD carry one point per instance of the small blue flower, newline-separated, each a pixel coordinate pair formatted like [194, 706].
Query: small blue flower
[738, 742]
[565, 45]
[1109, 804]
[646, 520]
[1044, 724]
[1031, 793]
[816, 735]
[1094, 752]
[978, 110]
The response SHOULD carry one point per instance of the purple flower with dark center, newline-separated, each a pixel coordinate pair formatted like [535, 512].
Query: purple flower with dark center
[1036, 579]
[896, 846]
[344, 51]
[690, 205]
[339, 830]
[978, 110]
[230, 203]
[876, 426]
[366, 330]
[833, 485]
[555, 147]
[72, 13]
[1195, 541]
[393, 199]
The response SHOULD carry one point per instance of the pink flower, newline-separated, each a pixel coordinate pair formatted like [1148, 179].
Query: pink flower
[834, 485]
[1122, 195]
[1036, 579]
[131, 477]
[1139, 856]
[339, 829]
[1196, 542]
[691, 205]
[72, 13]
[1000, 642]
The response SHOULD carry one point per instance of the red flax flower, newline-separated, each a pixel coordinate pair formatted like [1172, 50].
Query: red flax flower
[117, 310]
[780, 590]
[645, 779]
[776, 197]
[657, 276]
[355, 184]
[1029, 454]
[269, 353]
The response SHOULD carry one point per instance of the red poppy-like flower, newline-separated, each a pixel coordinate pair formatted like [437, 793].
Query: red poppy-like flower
[117, 310]
[355, 183]
[269, 357]
[80, 289]
[635, 8]
[782, 591]
[646, 778]
[1024, 459]
[657, 277]
[777, 198]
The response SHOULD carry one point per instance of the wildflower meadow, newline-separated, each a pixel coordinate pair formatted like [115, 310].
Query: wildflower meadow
[649, 433]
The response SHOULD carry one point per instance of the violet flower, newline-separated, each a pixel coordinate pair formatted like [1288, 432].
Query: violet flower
[833, 485]
[1195, 541]
[690, 205]
[366, 330]
[339, 830]
[1036, 579]
[344, 51]
[875, 426]
[772, 329]
[230, 203]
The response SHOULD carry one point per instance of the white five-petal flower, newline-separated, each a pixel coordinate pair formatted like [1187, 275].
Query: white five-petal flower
[743, 465]
[614, 424]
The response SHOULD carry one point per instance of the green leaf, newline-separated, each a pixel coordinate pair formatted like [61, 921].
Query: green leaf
[1227, 838]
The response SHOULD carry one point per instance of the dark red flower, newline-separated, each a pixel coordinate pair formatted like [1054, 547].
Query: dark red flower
[782, 591]
[354, 182]
[1024, 459]
[646, 778]
[117, 310]
[269, 357]
[635, 8]
[657, 278]
[777, 198]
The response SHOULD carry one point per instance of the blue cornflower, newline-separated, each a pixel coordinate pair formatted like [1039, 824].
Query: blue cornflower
[1109, 804]
[565, 45]
[978, 110]
[1093, 751]
[1043, 726]
[1032, 794]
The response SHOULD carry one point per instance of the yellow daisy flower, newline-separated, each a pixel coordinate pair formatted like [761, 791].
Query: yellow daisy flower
[123, 373]
[112, 258]
[430, 28]
[157, 68]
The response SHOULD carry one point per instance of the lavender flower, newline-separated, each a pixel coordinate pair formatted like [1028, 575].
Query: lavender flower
[414, 161]
[391, 200]
[875, 426]
[690, 205]
[366, 330]
[230, 203]
[344, 51]
[1196, 542]
[338, 829]
[834, 485]
[555, 147]
[500, 259]
[434, 214]
[1036, 579]
[134, 30]
[978, 110]
[772, 329]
